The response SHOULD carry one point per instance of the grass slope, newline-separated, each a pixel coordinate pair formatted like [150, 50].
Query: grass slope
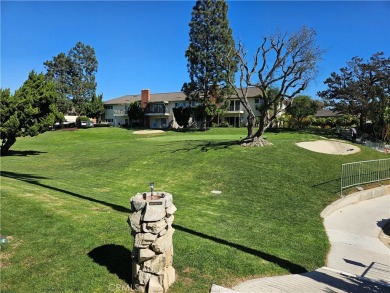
[65, 199]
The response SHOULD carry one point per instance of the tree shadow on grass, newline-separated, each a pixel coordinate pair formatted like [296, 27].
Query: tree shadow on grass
[116, 258]
[108, 254]
[291, 267]
[207, 146]
[23, 153]
[32, 179]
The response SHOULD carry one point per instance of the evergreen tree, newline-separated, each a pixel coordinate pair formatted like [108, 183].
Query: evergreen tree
[95, 108]
[135, 113]
[74, 77]
[362, 89]
[211, 41]
[183, 115]
[301, 107]
[30, 111]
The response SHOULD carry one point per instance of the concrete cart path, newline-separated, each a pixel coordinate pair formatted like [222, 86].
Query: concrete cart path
[358, 260]
[353, 234]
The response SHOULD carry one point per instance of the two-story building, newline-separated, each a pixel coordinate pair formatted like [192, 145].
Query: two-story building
[159, 113]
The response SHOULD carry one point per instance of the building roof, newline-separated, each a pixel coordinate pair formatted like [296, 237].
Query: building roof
[327, 113]
[168, 97]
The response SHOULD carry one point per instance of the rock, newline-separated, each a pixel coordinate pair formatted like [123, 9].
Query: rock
[134, 221]
[162, 233]
[159, 246]
[154, 227]
[143, 278]
[154, 285]
[145, 254]
[139, 288]
[155, 265]
[170, 210]
[168, 278]
[168, 200]
[143, 240]
[169, 220]
[137, 202]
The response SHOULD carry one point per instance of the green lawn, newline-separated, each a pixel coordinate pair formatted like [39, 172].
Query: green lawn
[65, 200]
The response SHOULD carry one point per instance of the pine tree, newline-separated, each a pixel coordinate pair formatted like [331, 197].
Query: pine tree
[211, 41]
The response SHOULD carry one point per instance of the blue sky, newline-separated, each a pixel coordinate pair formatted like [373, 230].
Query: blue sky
[141, 44]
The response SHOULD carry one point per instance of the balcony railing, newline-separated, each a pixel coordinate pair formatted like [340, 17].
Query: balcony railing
[120, 113]
[157, 110]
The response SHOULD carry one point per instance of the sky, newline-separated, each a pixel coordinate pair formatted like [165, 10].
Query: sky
[141, 44]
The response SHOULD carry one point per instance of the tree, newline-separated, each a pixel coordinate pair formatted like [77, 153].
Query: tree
[301, 107]
[59, 71]
[362, 89]
[30, 111]
[210, 41]
[95, 108]
[284, 65]
[74, 76]
[135, 112]
[183, 115]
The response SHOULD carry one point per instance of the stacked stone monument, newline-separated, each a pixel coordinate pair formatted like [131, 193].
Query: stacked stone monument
[151, 221]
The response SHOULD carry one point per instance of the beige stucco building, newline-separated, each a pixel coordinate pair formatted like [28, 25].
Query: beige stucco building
[159, 113]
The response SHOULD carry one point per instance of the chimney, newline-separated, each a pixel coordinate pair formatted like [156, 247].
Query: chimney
[145, 98]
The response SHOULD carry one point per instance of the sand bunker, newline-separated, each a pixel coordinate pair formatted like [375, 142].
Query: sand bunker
[148, 131]
[329, 147]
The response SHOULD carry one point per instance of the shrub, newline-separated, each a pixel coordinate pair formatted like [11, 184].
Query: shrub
[320, 122]
[306, 122]
[81, 119]
[224, 124]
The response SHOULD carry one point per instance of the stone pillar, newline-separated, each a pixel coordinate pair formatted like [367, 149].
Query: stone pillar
[151, 221]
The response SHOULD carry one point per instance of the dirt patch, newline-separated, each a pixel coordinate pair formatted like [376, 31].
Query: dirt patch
[332, 147]
[148, 131]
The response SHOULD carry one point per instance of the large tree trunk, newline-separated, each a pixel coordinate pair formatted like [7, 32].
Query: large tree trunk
[362, 122]
[251, 125]
[256, 139]
[203, 124]
[7, 145]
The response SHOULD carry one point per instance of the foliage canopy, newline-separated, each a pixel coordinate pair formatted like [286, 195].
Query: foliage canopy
[362, 88]
[301, 107]
[74, 77]
[30, 111]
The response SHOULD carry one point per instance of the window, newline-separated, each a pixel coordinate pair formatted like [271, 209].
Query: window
[108, 107]
[234, 105]
[109, 120]
[257, 101]
[157, 108]
[180, 104]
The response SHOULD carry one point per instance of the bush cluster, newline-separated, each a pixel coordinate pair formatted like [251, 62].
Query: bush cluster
[311, 121]
[81, 119]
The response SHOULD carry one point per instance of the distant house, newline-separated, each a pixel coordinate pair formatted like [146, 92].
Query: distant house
[159, 113]
[326, 113]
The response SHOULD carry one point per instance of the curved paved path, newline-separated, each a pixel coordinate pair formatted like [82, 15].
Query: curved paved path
[358, 261]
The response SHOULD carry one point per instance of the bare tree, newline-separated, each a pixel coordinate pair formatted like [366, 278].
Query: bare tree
[284, 65]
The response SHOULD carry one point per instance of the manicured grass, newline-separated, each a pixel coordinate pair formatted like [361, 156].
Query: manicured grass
[65, 200]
